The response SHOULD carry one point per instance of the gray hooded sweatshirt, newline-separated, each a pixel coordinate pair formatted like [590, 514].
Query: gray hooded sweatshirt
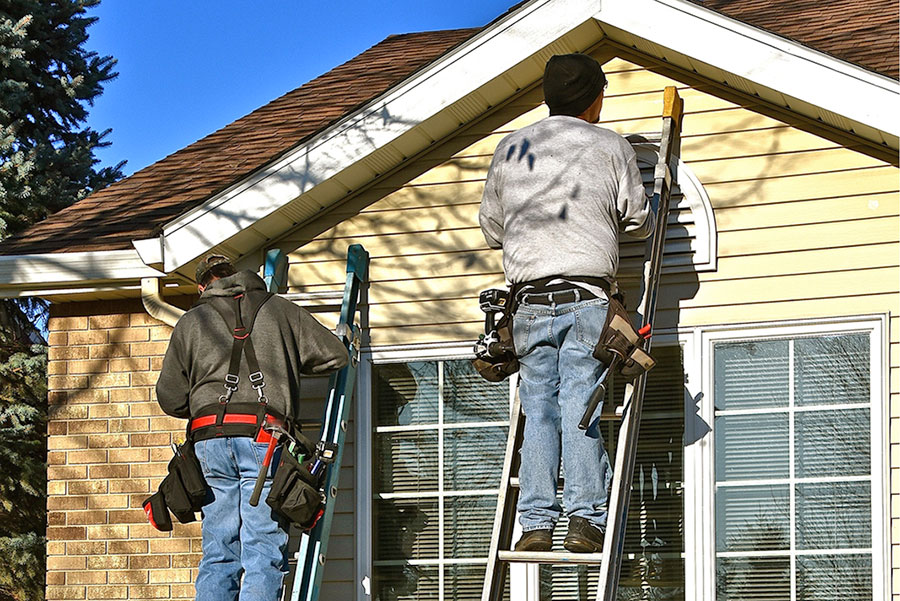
[558, 193]
[288, 342]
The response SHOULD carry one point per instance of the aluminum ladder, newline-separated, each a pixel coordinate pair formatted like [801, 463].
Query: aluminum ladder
[610, 559]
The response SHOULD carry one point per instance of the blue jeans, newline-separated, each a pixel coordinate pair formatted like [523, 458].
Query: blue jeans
[557, 374]
[239, 540]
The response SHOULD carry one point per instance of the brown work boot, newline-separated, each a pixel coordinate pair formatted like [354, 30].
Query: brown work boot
[583, 537]
[535, 540]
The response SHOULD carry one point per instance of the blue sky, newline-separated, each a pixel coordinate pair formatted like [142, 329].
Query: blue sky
[188, 67]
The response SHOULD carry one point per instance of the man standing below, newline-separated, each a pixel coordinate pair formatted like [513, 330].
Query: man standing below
[244, 547]
[558, 193]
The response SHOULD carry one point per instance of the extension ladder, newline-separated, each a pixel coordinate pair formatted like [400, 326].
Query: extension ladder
[310, 558]
[610, 559]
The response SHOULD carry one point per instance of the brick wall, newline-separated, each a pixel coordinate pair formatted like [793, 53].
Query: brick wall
[108, 449]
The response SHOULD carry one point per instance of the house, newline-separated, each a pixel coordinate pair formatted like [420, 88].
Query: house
[769, 457]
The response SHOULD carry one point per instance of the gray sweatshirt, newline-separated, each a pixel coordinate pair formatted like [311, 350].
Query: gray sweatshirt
[558, 193]
[288, 342]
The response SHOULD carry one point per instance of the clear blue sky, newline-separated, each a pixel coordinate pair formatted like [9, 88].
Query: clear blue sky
[188, 67]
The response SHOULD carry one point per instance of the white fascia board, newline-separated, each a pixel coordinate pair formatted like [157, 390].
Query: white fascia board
[761, 57]
[49, 270]
[476, 62]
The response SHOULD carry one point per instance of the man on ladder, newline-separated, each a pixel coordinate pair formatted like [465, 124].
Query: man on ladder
[558, 193]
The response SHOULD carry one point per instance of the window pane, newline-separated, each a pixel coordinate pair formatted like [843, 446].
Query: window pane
[470, 398]
[406, 393]
[468, 523]
[751, 375]
[753, 579]
[834, 515]
[834, 578]
[832, 369]
[752, 518]
[473, 457]
[464, 583]
[752, 446]
[406, 529]
[833, 443]
[406, 461]
[406, 583]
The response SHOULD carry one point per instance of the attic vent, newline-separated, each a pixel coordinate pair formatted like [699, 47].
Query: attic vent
[691, 237]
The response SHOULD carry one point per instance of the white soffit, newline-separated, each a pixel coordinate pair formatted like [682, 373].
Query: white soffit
[448, 80]
[764, 59]
[56, 270]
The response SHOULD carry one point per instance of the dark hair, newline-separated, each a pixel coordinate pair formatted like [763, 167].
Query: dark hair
[219, 270]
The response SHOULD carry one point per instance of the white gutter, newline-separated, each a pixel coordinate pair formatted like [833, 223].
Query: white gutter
[155, 305]
[52, 269]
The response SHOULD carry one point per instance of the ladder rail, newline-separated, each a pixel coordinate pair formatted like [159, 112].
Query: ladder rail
[313, 549]
[626, 449]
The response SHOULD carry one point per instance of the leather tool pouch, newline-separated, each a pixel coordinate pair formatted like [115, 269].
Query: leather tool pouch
[296, 493]
[619, 338]
[497, 369]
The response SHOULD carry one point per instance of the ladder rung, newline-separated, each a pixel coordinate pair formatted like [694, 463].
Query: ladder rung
[551, 557]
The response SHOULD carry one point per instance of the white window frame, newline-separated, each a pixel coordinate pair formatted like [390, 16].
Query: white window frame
[700, 542]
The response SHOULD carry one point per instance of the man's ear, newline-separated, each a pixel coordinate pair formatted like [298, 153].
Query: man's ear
[201, 288]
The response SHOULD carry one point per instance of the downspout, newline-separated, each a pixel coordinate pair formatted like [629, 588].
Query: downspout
[155, 305]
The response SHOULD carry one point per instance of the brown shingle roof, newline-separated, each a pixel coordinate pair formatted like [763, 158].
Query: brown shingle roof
[864, 32]
[858, 31]
[135, 207]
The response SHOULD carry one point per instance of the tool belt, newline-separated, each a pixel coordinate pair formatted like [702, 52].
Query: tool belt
[620, 341]
[183, 491]
[235, 419]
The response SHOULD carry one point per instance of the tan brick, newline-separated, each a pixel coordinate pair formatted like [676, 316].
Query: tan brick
[145, 378]
[170, 576]
[68, 412]
[148, 349]
[56, 457]
[108, 562]
[128, 547]
[67, 352]
[108, 502]
[110, 380]
[86, 548]
[130, 335]
[67, 382]
[90, 366]
[88, 337]
[62, 443]
[109, 351]
[183, 591]
[57, 428]
[142, 319]
[148, 591]
[110, 410]
[128, 516]
[66, 502]
[146, 531]
[109, 471]
[55, 578]
[66, 533]
[130, 425]
[149, 562]
[172, 424]
[84, 518]
[129, 395]
[108, 441]
[107, 532]
[56, 488]
[146, 409]
[86, 578]
[129, 577]
[129, 485]
[160, 332]
[191, 530]
[99, 322]
[56, 548]
[157, 439]
[107, 592]
[68, 472]
[163, 454]
[57, 368]
[156, 363]
[57, 397]
[88, 396]
[169, 545]
[130, 364]
[55, 593]
[186, 560]
[57, 339]
[88, 426]
[56, 518]
[149, 470]
[88, 487]
[90, 456]
[129, 455]
[57, 324]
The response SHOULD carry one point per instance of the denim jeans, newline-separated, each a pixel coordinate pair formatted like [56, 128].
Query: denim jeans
[557, 374]
[239, 540]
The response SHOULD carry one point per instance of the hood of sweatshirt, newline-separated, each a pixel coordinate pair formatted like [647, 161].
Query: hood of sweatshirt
[231, 285]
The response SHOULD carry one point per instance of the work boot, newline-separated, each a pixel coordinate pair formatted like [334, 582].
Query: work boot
[535, 540]
[583, 537]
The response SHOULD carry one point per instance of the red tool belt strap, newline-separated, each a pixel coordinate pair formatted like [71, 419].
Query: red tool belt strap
[233, 419]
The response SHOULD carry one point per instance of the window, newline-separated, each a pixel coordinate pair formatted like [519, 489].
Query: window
[798, 485]
[440, 435]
